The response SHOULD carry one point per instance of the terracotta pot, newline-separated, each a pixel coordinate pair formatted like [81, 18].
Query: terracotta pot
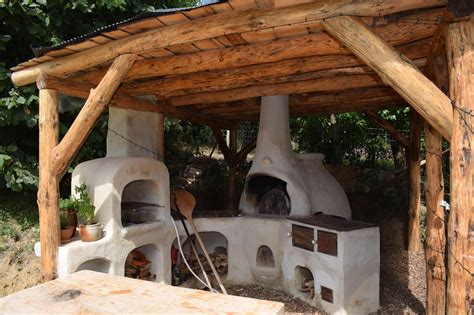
[67, 234]
[90, 232]
[71, 216]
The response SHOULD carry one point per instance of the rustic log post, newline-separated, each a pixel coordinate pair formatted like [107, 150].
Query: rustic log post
[48, 189]
[460, 52]
[395, 70]
[161, 137]
[435, 243]
[414, 240]
[232, 163]
[98, 100]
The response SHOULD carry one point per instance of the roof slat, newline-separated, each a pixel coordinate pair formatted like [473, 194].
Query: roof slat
[141, 26]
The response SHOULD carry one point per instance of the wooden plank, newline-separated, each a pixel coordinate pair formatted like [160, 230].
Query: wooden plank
[302, 237]
[327, 243]
[100, 293]
[414, 202]
[460, 52]
[435, 225]
[141, 26]
[326, 294]
[216, 25]
[388, 127]
[82, 90]
[97, 101]
[48, 186]
[395, 70]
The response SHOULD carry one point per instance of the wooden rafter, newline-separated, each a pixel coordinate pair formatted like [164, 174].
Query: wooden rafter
[298, 69]
[323, 84]
[318, 44]
[124, 101]
[395, 70]
[217, 25]
[97, 101]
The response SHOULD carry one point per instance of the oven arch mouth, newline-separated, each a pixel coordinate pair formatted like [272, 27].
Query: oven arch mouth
[268, 194]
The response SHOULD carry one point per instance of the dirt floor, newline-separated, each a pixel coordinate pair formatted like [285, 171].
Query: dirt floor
[19, 267]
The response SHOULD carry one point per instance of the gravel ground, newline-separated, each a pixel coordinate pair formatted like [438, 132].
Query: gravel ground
[292, 304]
[402, 281]
[402, 286]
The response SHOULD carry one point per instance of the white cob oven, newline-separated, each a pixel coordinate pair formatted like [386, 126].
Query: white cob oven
[295, 223]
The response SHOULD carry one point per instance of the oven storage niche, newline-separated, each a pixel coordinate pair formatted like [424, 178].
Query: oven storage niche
[140, 203]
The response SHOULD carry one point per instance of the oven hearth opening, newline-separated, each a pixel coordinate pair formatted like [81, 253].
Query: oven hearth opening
[268, 195]
[140, 203]
[304, 282]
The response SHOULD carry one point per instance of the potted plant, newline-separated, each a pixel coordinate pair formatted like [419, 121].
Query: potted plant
[89, 230]
[67, 230]
[68, 209]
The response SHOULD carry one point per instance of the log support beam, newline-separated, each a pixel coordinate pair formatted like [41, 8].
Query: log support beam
[48, 188]
[414, 237]
[392, 131]
[460, 52]
[395, 70]
[121, 100]
[435, 244]
[97, 101]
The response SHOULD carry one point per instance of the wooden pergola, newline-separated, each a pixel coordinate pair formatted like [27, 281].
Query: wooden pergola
[211, 64]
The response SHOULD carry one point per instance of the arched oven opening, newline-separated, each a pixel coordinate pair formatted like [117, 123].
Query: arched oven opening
[268, 195]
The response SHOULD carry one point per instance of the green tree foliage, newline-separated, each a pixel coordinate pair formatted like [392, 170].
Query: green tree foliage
[356, 140]
[47, 22]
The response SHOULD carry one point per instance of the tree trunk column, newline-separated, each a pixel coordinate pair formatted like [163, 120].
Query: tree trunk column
[232, 163]
[460, 52]
[435, 234]
[414, 240]
[48, 190]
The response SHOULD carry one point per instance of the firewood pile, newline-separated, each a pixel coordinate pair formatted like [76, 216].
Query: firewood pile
[138, 267]
[307, 286]
[218, 259]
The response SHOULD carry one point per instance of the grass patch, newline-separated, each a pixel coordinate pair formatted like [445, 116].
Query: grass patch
[18, 214]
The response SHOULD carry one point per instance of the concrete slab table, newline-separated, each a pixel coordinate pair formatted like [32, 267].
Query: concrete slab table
[89, 292]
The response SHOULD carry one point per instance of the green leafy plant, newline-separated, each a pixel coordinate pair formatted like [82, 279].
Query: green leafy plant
[63, 220]
[80, 202]
[85, 209]
[68, 203]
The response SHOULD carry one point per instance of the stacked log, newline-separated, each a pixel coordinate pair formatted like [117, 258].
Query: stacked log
[138, 267]
[219, 259]
[307, 286]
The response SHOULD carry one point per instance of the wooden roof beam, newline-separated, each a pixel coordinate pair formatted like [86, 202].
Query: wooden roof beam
[282, 49]
[120, 100]
[213, 26]
[297, 69]
[396, 71]
[323, 84]
[99, 98]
